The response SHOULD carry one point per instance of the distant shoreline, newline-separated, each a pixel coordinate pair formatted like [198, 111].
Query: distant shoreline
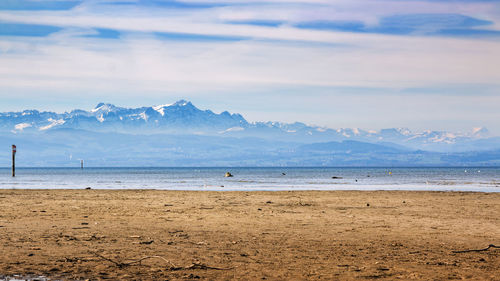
[484, 179]
[244, 191]
[254, 167]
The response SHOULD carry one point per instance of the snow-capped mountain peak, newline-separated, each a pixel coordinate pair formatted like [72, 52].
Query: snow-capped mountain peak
[182, 103]
[480, 132]
[183, 118]
[105, 108]
[161, 108]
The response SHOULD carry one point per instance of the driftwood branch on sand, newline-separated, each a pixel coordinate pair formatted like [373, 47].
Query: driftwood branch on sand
[171, 265]
[478, 250]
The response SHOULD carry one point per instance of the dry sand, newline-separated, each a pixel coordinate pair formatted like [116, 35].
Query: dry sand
[101, 234]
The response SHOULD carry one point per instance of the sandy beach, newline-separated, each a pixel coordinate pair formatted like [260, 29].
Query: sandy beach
[178, 235]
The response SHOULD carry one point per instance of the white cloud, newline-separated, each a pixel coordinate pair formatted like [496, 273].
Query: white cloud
[139, 65]
[149, 64]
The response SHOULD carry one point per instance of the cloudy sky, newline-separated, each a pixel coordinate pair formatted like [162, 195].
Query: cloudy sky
[338, 63]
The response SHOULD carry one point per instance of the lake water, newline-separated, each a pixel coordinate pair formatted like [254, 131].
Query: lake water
[445, 179]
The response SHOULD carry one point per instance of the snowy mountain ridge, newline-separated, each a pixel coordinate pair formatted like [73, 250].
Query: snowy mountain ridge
[183, 118]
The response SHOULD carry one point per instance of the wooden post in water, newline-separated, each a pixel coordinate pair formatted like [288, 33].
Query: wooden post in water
[14, 160]
[81, 164]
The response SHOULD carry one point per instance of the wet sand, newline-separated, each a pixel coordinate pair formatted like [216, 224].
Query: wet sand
[327, 235]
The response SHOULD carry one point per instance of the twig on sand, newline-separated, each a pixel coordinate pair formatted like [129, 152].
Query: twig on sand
[124, 264]
[197, 266]
[478, 250]
[171, 267]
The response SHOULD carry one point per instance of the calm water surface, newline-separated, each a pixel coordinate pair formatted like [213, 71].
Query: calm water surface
[460, 179]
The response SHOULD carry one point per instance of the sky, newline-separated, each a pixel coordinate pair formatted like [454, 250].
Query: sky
[367, 64]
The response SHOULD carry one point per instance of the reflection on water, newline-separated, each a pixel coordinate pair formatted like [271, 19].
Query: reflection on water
[464, 179]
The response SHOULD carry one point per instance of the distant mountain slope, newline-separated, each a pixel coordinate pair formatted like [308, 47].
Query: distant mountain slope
[65, 147]
[180, 117]
[178, 133]
[350, 147]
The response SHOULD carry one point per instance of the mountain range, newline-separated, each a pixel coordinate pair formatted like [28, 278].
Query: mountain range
[180, 134]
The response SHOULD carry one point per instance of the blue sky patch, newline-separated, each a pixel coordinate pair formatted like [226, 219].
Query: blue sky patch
[104, 33]
[168, 4]
[196, 37]
[28, 5]
[349, 26]
[268, 23]
[437, 21]
[421, 24]
[469, 33]
[18, 29]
